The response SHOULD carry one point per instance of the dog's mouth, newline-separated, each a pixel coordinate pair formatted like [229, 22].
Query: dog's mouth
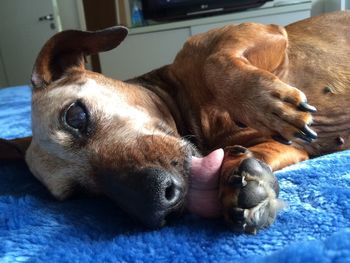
[154, 195]
[203, 195]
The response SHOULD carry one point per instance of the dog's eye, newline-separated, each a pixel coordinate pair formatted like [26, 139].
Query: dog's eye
[76, 116]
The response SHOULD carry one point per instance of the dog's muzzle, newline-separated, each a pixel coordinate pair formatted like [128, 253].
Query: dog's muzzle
[149, 194]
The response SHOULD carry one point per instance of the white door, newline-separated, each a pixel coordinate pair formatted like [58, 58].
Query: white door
[25, 25]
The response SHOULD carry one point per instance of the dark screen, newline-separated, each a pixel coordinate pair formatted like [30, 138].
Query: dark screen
[177, 2]
[177, 9]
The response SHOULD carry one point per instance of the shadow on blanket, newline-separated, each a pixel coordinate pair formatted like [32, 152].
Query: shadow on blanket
[36, 228]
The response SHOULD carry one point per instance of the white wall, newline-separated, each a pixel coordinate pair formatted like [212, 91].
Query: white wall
[322, 6]
[333, 5]
[68, 11]
[317, 7]
[70, 19]
[3, 82]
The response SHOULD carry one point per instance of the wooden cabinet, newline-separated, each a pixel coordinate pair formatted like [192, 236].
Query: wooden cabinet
[150, 47]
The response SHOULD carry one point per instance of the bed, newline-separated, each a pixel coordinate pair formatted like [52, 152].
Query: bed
[34, 227]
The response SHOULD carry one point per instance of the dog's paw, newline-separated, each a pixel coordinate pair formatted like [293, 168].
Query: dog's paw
[280, 111]
[290, 114]
[249, 194]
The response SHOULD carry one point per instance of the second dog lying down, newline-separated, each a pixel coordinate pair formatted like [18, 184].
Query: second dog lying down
[241, 85]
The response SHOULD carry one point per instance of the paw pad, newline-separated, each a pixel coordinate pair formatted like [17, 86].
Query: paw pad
[254, 194]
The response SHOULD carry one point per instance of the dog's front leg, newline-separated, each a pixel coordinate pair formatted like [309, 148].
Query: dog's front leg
[248, 188]
[259, 99]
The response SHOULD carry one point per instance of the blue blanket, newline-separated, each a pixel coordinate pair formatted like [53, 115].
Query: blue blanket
[36, 228]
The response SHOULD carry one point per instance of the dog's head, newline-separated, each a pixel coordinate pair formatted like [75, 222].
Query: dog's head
[102, 135]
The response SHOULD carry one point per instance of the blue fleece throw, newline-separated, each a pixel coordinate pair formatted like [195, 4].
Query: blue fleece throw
[36, 228]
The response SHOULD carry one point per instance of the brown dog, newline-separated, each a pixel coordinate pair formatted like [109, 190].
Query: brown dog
[238, 85]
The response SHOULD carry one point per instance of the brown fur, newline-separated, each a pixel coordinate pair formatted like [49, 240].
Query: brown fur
[243, 71]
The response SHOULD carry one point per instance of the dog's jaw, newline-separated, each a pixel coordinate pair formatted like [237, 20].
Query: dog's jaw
[56, 174]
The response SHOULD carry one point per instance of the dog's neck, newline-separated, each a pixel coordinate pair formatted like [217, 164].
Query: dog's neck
[165, 86]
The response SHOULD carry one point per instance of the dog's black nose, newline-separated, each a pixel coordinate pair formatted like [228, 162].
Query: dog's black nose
[160, 189]
[172, 189]
[148, 194]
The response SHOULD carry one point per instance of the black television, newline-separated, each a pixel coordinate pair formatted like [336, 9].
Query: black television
[161, 10]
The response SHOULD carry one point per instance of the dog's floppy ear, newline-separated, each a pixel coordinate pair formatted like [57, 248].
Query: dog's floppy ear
[14, 149]
[68, 48]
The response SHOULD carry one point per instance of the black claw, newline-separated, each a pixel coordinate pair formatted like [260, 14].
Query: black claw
[281, 139]
[237, 226]
[236, 180]
[275, 186]
[241, 125]
[309, 132]
[304, 106]
[303, 136]
[340, 140]
[237, 149]
[237, 214]
[250, 230]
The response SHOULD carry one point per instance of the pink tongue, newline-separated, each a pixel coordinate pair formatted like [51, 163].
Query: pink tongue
[203, 190]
